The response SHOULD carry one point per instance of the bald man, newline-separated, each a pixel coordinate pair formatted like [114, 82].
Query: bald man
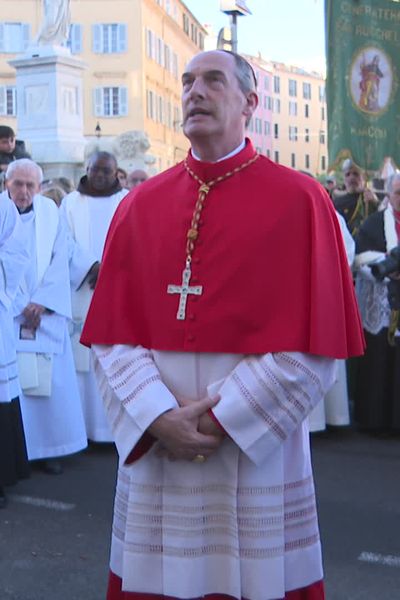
[135, 178]
[88, 212]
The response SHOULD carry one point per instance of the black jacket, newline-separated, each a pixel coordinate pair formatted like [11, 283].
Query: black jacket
[18, 152]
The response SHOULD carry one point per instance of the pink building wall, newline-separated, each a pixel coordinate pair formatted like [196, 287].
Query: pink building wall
[260, 128]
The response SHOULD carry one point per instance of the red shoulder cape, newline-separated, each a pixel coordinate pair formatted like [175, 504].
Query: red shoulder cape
[270, 258]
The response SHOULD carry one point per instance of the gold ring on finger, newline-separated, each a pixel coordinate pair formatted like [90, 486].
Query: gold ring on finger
[199, 458]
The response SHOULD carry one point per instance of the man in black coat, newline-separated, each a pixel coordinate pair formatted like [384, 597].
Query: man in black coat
[358, 201]
[10, 149]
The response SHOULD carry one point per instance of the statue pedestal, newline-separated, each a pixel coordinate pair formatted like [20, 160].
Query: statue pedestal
[50, 108]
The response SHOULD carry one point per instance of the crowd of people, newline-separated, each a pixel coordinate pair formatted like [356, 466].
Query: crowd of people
[52, 239]
[218, 321]
[373, 219]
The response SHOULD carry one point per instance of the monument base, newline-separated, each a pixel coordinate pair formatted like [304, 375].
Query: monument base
[71, 171]
[49, 94]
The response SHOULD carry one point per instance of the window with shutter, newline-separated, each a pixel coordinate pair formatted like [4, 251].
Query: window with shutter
[123, 101]
[307, 91]
[148, 105]
[3, 100]
[161, 109]
[15, 37]
[175, 65]
[151, 44]
[26, 35]
[11, 95]
[122, 41]
[112, 101]
[160, 52]
[167, 57]
[169, 115]
[75, 38]
[98, 102]
[8, 100]
[148, 43]
[97, 40]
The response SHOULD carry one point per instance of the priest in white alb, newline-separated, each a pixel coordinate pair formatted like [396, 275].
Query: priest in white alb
[215, 323]
[88, 212]
[13, 262]
[50, 402]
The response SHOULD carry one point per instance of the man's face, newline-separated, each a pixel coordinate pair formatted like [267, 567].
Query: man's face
[136, 178]
[7, 145]
[22, 186]
[394, 196]
[102, 173]
[353, 180]
[212, 102]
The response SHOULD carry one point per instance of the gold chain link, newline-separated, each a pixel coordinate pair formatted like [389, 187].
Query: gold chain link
[205, 187]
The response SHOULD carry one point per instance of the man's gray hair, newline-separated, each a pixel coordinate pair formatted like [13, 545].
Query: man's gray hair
[24, 164]
[391, 180]
[244, 73]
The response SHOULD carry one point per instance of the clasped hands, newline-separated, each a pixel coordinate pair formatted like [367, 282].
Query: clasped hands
[33, 313]
[188, 431]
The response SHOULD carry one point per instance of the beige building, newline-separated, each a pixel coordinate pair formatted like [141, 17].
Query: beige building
[294, 115]
[134, 51]
[290, 124]
[299, 126]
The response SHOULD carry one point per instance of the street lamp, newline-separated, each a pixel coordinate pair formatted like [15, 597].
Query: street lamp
[234, 9]
[98, 130]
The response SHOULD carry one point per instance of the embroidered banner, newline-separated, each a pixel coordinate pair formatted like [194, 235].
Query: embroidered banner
[363, 97]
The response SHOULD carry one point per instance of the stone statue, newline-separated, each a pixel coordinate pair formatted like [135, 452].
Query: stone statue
[129, 148]
[55, 26]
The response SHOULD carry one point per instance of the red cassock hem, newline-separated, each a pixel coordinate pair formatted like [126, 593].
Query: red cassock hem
[315, 591]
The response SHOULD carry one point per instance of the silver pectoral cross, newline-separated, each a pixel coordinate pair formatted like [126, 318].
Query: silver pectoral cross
[184, 290]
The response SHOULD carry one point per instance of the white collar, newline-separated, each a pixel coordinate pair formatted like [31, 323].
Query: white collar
[235, 151]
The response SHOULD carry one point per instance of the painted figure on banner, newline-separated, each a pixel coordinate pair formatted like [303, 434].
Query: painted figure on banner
[371, 76]
[371, 80]
[56, 22]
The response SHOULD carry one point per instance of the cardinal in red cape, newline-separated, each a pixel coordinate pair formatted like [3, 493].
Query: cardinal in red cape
[223, 299]
[269, 257]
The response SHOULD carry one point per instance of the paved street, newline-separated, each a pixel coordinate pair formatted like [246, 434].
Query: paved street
[358, 489]
[54, 535]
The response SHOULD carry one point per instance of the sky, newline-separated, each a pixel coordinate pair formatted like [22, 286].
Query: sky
[289, 31]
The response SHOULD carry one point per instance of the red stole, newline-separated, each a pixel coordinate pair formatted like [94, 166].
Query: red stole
[270, 258]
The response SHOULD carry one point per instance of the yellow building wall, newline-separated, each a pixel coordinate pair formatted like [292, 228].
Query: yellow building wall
[132, 69]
